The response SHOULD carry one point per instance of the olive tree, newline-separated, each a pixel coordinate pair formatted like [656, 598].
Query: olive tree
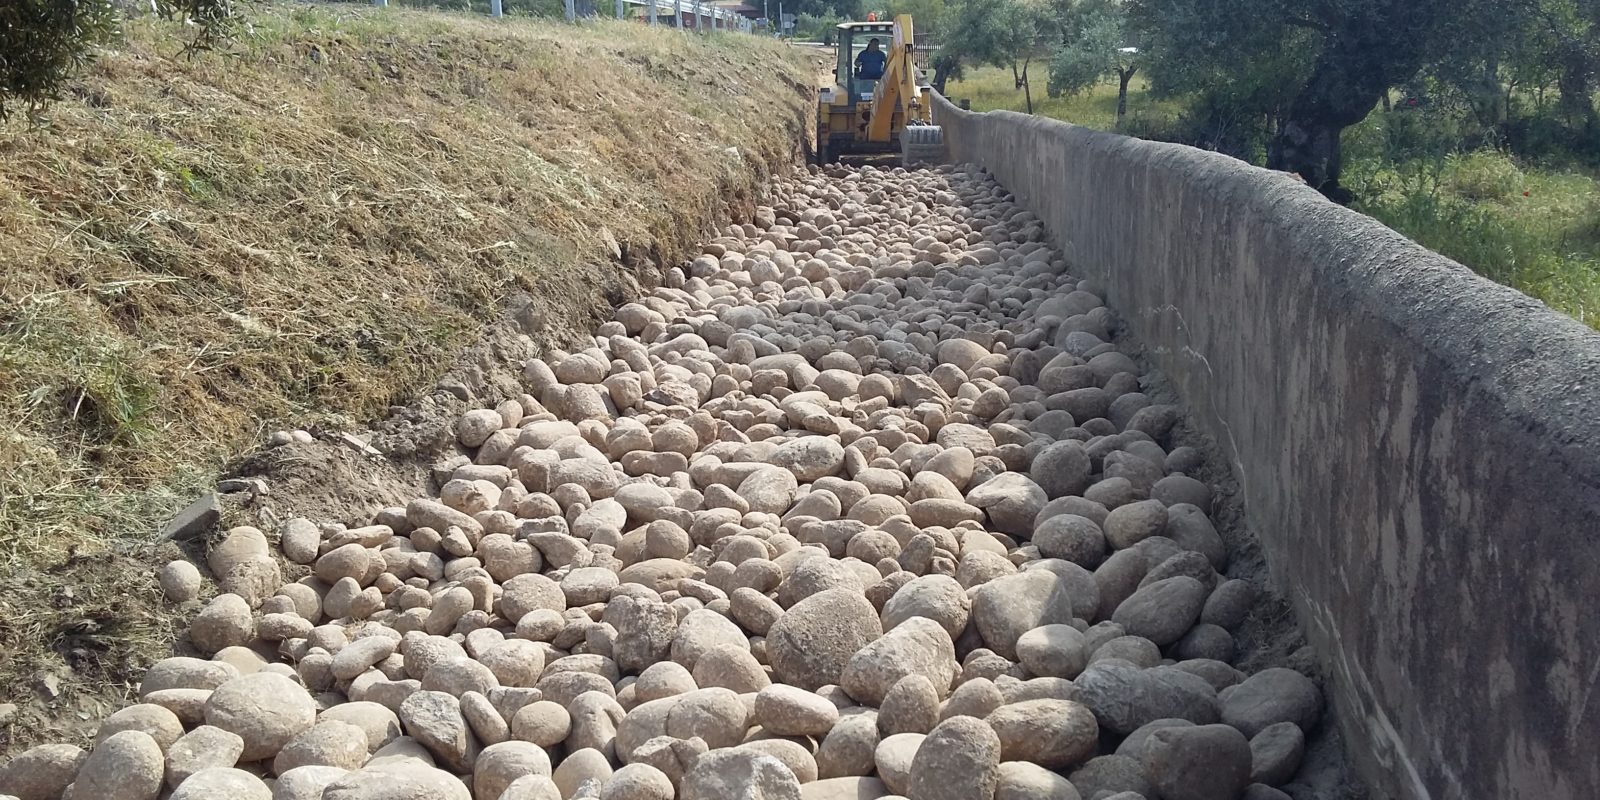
[1334, 60]
[1096, 44]
[44, 43]
[1001, 33]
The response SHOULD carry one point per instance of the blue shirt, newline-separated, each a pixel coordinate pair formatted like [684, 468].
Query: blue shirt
[869, 65]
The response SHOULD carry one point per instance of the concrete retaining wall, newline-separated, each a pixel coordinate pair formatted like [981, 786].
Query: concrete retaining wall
[1418, 448]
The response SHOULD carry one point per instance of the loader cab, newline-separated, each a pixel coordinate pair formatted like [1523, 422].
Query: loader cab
[853, 38]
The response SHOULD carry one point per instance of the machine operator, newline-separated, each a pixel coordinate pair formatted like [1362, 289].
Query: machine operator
[870, 63]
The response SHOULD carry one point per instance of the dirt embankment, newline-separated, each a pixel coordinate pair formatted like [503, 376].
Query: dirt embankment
[310, 228]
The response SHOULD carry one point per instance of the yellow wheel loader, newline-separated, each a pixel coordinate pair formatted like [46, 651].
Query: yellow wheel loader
[879, 103]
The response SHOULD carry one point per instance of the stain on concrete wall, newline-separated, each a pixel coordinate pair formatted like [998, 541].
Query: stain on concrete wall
[1418, 448]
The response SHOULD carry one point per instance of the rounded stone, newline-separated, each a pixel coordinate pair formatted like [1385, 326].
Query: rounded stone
[937, 597]
[812, 642]
[1057, 734]
[42, 772]
[1020, 780]
[1201, 762]
[1272, 696]
[739, 774]
[329, 743]
[501, 764]
[234, 784]
[160, 723]
[791, 711]
[124, 766]
[264, 709]
[1055, 651]
[180, 581]
[1071, 537]
[959, 760]
[1162, 611]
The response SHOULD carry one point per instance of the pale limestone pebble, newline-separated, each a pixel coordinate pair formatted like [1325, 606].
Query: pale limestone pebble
[543, 722]
[42, 772]
[225, 622]
[182, 672]
[300, 540]
[1021, 780]
[401, 779]
[532, 787]
[893, 759]
[790, 711]
[848, 749]
[246, 660]
[124, 766]
[861, 788]
[739, 773]
[638, 782]
[378, 723]
[305, 783]
[730, 667]
[910, 706]
[1057, 734]
[264, 709]
[973, 698]
[180, 581]
[361, 655]
[918, 646]
[795, 753]
[235, 784]
[160, 723]
[434, 720]
[702, 631]
[812, 642]
[940, 598]
[1053, 651]
[959, 759]
[673, 757]
[579, 768]
[202, 748]
[595, 717]
[499, 765]
[328, 743]
[718, 716]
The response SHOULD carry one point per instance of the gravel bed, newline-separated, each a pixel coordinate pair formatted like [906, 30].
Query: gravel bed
[864, 503]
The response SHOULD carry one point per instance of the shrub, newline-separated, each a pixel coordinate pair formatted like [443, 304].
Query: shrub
[1483, 175]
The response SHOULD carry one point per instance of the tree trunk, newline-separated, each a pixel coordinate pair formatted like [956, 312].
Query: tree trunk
[941, 74]
[1344, 87]
[1488, 101]
[1577, 99]
[1124, 76]
[1022, 81]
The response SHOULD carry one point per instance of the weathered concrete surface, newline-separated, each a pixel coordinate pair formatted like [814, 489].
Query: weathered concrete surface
[1419, 448]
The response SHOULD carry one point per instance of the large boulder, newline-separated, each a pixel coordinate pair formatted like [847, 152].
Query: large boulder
[812, 642]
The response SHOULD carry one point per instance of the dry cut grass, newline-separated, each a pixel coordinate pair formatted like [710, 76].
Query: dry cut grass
[311, 222]
[316, 218]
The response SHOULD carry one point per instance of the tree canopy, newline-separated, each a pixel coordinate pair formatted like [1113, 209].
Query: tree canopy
[1313, 69]
[1096, 42]
[43, 43]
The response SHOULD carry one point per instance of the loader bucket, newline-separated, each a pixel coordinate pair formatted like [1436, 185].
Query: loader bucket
[922, 145]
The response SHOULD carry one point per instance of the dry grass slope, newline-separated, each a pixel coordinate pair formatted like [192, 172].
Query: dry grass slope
[309, 224]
